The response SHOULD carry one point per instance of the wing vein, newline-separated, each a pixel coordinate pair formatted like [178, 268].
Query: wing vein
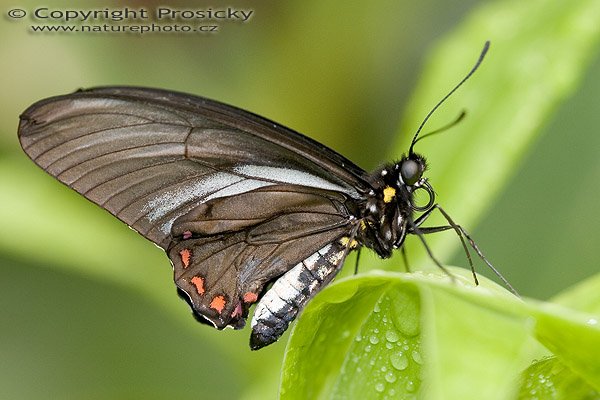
[79, 137]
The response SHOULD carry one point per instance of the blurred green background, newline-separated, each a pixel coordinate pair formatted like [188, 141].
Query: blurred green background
[339, 73]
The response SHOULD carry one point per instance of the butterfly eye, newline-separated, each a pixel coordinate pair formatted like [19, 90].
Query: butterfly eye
[410, 171]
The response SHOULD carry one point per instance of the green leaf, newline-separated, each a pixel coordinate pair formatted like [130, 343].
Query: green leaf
[409, 335]
[381, 324]
[584, 296]
[570, 327]
[379, 335]
[572, 336]
[551, 379]
[539, 52]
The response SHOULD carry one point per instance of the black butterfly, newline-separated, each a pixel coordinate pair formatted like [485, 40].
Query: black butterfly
[238, 202]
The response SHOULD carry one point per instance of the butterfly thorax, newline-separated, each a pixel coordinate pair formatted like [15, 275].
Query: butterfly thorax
[389, 206]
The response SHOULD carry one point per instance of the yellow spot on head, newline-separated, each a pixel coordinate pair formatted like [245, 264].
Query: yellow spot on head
[388, 194]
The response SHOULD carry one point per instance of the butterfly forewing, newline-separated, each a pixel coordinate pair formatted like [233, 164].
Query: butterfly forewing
[150, 156]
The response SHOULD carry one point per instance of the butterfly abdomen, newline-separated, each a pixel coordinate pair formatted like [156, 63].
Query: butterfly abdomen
[290, 293]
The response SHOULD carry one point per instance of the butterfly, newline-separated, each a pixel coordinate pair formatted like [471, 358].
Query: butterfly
[247, 210]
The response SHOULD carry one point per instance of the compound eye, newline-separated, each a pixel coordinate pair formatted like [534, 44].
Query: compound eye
[410, 171]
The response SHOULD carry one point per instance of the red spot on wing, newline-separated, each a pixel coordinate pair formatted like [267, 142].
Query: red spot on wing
[238, 311]
[199, 283]
[186, 256]
[218, 303]
[250, 297]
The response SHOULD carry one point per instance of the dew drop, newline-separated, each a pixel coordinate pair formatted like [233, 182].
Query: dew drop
[380, 387]
[367, 348]
[392, 336]
[389, 346]
[383, 369]
[373, 339]
[410, 386]
[345, 334]
[392, 392]
[417, 357]
[376, 309]
[358, 338]
[399, 361]
[390, 377]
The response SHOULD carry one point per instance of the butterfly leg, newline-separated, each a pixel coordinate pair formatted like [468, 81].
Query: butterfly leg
[415, 230]
[452, 225]
[356, 262]
[404, 258]
[462, 234]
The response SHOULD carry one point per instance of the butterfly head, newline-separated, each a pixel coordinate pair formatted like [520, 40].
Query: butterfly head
[392, 201]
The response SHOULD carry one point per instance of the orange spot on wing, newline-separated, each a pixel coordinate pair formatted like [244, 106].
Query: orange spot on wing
[250, 297]
[199, 283]
[218, 303]
[186, 255]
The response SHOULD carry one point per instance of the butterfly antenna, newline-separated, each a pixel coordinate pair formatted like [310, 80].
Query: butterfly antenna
[460, 117]
[485, 49]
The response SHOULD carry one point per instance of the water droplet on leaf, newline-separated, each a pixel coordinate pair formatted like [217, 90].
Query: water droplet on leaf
[399, 361]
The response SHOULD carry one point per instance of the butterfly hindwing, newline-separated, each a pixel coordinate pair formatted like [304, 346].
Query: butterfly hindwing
[223, 260]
